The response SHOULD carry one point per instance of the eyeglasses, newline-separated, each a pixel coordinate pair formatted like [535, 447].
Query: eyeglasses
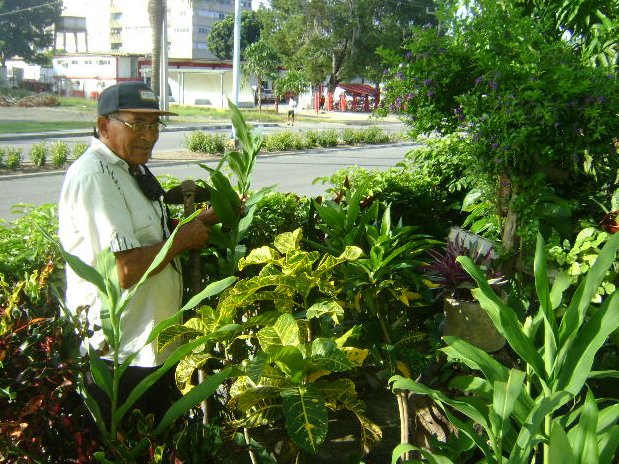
[140, 126]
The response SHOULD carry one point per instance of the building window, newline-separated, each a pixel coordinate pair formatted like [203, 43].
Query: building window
[200, 45]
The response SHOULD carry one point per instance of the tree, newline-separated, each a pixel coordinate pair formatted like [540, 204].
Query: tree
[262, 62]
[221, 38]
[155, 16]
[26, 28]
[335, 40]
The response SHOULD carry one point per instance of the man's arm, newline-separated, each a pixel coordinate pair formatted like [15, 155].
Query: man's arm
[132, 264]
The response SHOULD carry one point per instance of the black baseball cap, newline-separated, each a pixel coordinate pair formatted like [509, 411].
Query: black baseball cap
[132, 96]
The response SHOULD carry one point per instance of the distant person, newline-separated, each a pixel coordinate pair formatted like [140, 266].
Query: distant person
[292, 106]
[110, 199]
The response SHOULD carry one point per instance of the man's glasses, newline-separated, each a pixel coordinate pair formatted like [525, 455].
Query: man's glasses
[140, 126]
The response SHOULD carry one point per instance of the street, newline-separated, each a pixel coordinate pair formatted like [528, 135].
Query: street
[293, 172]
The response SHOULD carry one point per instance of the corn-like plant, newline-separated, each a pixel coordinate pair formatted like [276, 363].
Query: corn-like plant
[546, 402]
[114, 301]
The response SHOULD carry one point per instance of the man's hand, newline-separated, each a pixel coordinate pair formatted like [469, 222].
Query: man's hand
[208, 217]
[194, 235]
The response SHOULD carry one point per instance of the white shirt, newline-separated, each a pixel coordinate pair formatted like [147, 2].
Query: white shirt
[101, 206]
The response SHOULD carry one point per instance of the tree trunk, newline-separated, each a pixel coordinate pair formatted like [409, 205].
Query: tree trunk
[155, 17]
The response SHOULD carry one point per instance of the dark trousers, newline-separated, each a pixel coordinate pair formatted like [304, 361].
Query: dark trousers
[156, 400]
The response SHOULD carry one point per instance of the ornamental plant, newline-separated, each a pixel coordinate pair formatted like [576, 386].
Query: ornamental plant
[529, 105]
[542, 404]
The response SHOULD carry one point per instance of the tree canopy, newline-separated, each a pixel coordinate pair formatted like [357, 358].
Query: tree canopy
[336, 40]
[221, 38]
[26, 28]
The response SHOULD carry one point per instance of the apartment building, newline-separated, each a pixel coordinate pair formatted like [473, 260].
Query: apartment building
[118, 32]
[123, 26]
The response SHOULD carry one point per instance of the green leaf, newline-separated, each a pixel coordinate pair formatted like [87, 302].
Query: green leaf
[430, 457]
[560, 450]
[100, 372]
[575, 369]
[325, 307]
[185, 370]
[288, 241]
[285, 332]
[608, 444]
[583, 437]
[505, 396]
[504, 318]
[195, 396]
[306, 416]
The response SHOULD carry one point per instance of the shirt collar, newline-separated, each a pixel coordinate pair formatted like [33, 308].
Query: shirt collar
[107, 154]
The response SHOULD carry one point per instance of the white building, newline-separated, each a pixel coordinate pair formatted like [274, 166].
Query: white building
[117, 43]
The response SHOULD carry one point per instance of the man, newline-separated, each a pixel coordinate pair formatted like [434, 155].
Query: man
[292, 105]
[111, 200]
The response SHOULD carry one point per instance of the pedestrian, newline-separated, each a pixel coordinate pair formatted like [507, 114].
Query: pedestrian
[110, 199]
[292, 105]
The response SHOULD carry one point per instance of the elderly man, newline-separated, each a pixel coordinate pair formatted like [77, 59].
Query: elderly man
[111, 200]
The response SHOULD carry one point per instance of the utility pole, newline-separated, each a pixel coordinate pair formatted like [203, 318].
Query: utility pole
[163, 67]
[236, 57]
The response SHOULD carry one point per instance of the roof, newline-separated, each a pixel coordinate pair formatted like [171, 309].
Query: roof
[359, 89]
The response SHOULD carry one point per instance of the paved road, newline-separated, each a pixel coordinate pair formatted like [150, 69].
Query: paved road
[289, 173]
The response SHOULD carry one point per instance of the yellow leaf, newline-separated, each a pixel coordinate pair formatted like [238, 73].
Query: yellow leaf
[355, 355]
[403, 368]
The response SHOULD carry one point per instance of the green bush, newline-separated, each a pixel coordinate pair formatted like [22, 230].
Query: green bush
[59, 154]
[2, 155]
[283, 141]
[206, 143]
[276, 213]
[13, 158]
[351, 136]
[311, 138]
[38, 154]
[373, 134]
[78, 149]
[328, 138]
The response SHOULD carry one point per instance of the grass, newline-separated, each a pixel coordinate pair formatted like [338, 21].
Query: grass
[21, 127]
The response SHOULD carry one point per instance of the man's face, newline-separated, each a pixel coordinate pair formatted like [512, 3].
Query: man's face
[135, 147]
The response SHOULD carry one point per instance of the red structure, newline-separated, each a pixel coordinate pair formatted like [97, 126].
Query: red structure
[363, 96]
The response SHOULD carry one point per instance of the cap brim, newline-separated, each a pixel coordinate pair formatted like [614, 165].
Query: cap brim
[149, 111]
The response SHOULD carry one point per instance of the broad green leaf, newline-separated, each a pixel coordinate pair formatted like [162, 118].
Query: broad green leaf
[289, 359]
[505, 396]
[186, 368]
[325, 307]
[196, 395]
[607, 417]
[339, 390]
[173, 333]
[560, 450]
[212, 289]
[531, 432]
[306, 416]
[100, 372]
[577, 365]
[250, 398]
[546, 305]
[370, 433]
[288, 241]
[583, 437]
[400, 383]
[471, 384]
[284, 332]
[430, 457]
[573, 317]
[608, 444]
[334, 360]
[504, 318]
[260, 255]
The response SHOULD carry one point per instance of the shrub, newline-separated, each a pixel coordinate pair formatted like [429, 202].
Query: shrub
[2, 155]
[59, 154]
[38, 154]
[206, 143]
[373, 134]
[276, 213]
[13, 158]
[328, 138]
[351, 136]
[78, 149]
[283, 140]
[311, 138]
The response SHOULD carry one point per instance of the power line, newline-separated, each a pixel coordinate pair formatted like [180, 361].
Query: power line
[30, 8]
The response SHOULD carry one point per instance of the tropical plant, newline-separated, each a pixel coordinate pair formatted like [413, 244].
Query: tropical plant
[114, 302]
[288, 316]
[235, 209]
[510, 413]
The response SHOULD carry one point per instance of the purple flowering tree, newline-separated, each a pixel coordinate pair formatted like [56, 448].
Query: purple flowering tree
[541, 121]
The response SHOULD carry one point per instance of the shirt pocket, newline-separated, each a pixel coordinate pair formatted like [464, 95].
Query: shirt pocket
[146, 225]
